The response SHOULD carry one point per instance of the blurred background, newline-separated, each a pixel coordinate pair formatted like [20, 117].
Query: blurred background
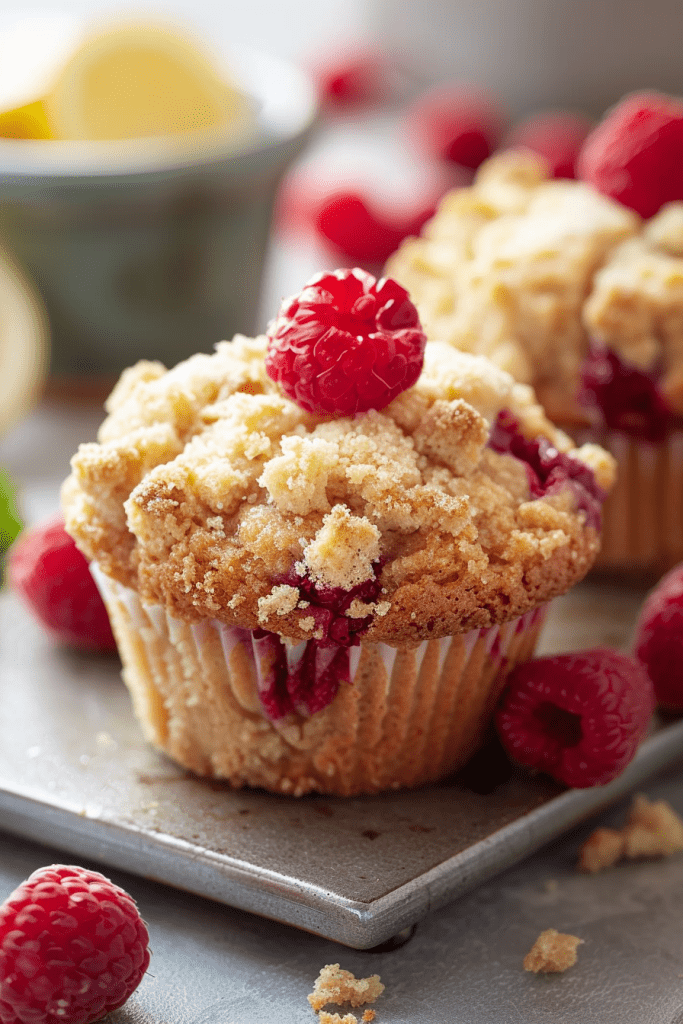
[346, 123]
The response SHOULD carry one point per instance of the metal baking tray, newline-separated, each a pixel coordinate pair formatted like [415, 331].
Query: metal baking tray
[76, 774]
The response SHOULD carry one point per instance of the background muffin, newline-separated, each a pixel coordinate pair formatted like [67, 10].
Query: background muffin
[582, 298]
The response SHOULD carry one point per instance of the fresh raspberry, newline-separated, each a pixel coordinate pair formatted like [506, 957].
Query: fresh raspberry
[73, 947]
[557, 136]
[578, 717]
[659, 639]
[364, 235]
[455, 122]
[52, 576]
[635, 154]
[346, 343]
[354, 78]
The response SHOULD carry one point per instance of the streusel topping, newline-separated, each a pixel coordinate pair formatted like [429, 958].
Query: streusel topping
[635, 307]
[211, 492]
[506, 266]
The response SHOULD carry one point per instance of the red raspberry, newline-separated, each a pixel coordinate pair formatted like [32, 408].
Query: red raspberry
[52, 576]
[73, 947]
[636, 152]
[578, 717]
[346, 343]
[345, 219]
[355, 78]
[459, 123]
[557, 136]
[659, 639]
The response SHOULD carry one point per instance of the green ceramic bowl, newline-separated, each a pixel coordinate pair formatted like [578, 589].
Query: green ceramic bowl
[154, 248]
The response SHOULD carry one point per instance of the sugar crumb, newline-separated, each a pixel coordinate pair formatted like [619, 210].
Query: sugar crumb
[552, 952]
[343, 550]
[282, 600]
[335, 985]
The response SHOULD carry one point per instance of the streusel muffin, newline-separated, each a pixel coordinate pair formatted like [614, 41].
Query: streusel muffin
[580, 297]
[309, 600]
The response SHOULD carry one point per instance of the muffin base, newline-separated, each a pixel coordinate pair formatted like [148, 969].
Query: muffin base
[642, 533]
[410, 715]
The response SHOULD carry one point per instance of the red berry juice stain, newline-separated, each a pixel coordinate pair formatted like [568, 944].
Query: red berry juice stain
[629, 399]
[549, 470]
[313, 681]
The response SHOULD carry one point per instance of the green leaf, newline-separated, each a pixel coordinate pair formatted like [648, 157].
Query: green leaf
[10, 520]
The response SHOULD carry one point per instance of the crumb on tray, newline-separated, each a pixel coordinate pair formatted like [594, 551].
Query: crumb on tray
[552, 952]
[334, 985]
[653, 829]
[334, 1018]
[602, 849]
[349, 1018]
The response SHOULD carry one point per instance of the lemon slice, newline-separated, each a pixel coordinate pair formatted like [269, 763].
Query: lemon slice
[139, 80]
[26, 122]
[23, 345]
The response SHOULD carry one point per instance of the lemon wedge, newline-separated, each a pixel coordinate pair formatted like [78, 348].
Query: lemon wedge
[139, 80]
[26, 122]
[23, 344]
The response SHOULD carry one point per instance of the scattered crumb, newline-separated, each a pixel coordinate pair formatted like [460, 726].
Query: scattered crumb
[552, 952]
[349, 1018]
[652, 830]
[334, 1018]
[334, 985]
[602, 849]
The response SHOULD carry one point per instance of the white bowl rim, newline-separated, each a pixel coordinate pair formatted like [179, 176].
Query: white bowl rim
[25, 325]
[286, 110]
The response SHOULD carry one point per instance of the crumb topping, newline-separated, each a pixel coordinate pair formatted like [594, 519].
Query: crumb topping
[335, 985]
[552, 952]
[343, 550]
[636, 305]
[210, 492]
[506, 268]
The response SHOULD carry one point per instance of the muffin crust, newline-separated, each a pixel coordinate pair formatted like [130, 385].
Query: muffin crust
[207, 488]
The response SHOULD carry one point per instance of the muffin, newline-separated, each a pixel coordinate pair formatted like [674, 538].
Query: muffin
[329, 598]
[580, 297]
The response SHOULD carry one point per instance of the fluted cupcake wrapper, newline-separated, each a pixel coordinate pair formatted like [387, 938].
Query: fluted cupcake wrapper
[406, 716]
[642, 527]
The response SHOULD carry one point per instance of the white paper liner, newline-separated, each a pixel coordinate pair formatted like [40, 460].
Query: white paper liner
[643, 514]
[170, 666]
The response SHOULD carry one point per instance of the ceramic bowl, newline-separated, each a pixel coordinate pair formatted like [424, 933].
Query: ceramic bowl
[154, 248]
